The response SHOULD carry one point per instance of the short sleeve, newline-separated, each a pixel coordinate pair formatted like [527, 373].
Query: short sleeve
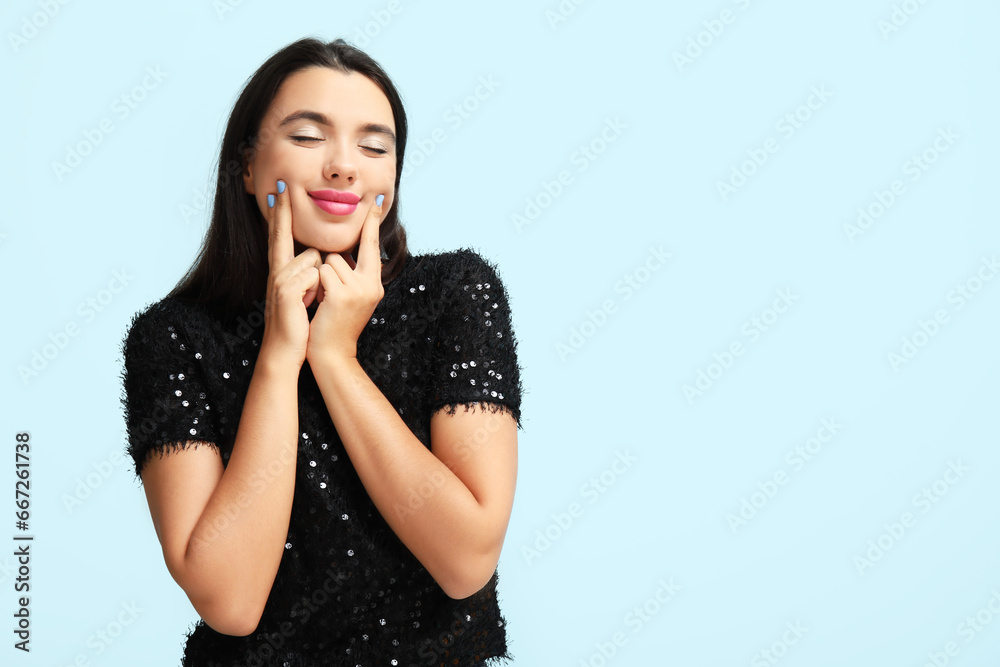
[475, 358]
[165, 401]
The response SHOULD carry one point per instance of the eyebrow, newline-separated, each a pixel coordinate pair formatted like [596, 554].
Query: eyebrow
[317, 117]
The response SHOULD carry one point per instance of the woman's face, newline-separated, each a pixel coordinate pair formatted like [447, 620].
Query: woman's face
[323, 132]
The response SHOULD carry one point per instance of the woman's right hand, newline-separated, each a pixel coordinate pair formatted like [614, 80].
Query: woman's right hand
[292, 283]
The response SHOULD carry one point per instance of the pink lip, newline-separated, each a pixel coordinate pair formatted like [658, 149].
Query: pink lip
[334, 207]
[335, 195]
[335, 202]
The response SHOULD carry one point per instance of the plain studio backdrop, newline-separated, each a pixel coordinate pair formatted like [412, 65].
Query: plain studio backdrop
[752, 254]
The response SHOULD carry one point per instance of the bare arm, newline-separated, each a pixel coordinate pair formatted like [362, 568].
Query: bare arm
[223, 529]
[450, 506]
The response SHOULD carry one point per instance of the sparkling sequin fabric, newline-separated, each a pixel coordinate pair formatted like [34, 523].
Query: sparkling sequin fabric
[348, 592]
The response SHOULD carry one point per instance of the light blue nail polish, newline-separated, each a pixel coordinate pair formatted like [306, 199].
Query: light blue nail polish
[378, 200]
[281, 187]
[270, 201]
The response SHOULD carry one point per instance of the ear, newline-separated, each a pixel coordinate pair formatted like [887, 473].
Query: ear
[248, 175]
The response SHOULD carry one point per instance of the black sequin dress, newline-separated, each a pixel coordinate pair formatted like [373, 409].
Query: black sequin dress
[347, 592]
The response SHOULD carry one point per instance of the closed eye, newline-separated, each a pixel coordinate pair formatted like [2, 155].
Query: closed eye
[380, 151]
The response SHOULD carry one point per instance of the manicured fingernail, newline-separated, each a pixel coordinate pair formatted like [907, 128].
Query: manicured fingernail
[270, 201]
[281, 187]
[378, 200]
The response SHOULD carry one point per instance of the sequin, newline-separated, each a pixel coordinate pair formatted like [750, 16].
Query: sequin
[448, 350]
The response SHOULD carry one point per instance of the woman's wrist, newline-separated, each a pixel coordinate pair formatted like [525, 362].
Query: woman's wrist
[278, 362]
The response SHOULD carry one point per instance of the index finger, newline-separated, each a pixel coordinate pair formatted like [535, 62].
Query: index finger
[369, 256]
[281, 250]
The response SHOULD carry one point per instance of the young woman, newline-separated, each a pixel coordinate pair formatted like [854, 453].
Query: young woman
[324, 424]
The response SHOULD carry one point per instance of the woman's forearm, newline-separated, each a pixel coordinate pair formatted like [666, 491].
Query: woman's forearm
[237, 544]
[446, 531]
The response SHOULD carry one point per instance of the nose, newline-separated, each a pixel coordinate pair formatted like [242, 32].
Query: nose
[340, 162]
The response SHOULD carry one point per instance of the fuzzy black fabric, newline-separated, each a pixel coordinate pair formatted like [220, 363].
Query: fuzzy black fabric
[348, 591]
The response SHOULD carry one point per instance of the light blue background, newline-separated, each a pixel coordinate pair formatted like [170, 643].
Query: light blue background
[666, 515]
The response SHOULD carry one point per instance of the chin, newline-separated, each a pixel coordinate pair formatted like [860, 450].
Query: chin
[329, 242]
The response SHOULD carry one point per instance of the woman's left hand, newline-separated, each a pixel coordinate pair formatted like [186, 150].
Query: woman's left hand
[348, 292]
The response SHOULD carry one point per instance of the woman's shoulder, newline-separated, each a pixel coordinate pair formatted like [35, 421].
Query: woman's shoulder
[168, 318]
[454, 266]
